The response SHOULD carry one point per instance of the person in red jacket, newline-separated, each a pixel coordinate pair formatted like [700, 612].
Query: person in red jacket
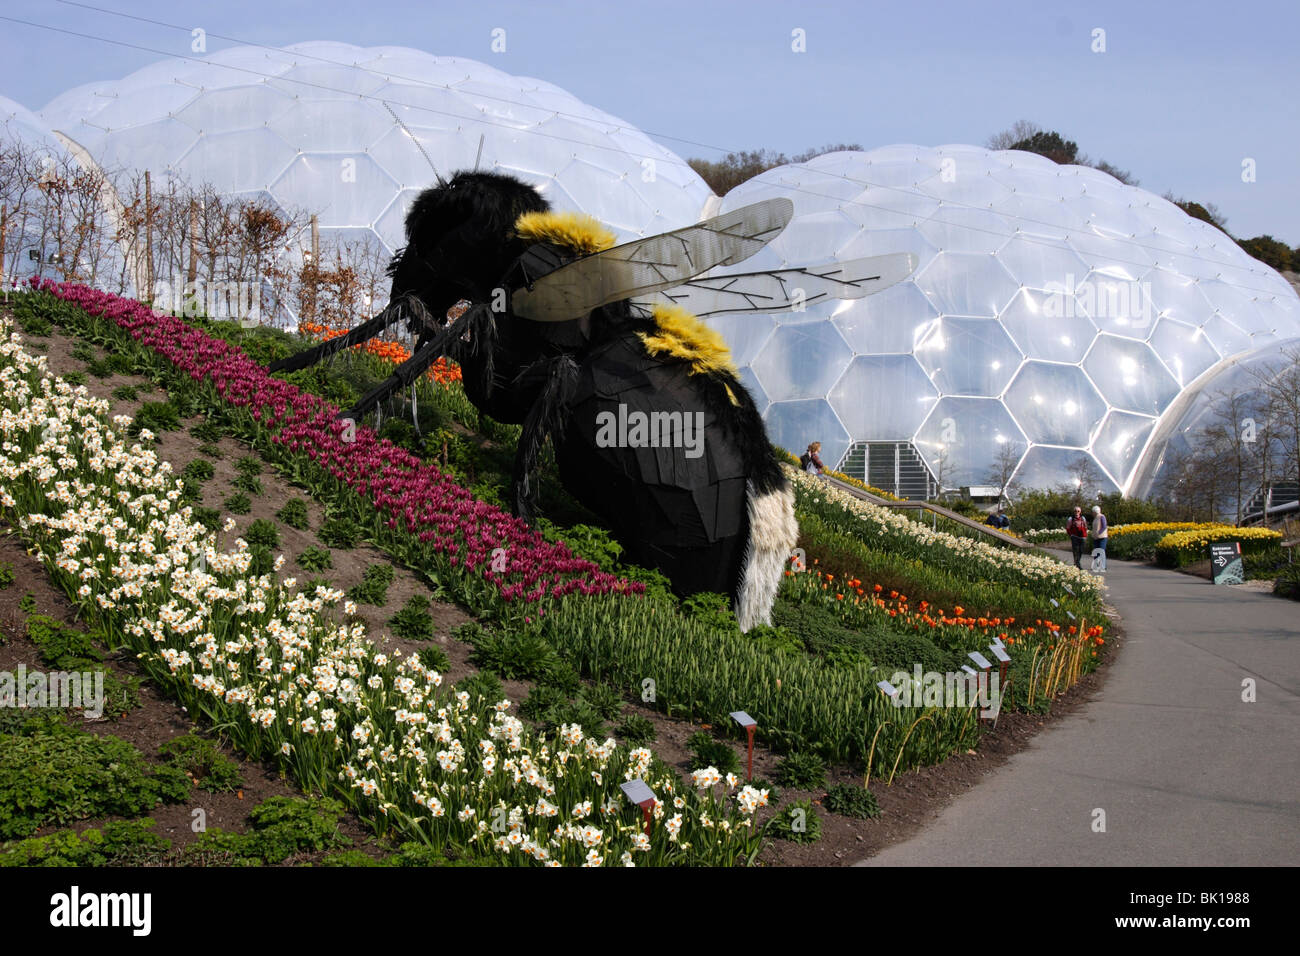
[1077, 529]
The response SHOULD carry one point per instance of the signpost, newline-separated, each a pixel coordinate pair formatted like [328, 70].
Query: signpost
[638, 792]
[1225, 562]
[750, 724]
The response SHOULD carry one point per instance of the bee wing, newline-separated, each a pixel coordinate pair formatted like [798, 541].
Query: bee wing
[649, 265]
[784, 289]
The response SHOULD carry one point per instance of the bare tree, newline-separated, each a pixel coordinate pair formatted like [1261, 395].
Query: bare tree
[1020, 130]
[1004, 466]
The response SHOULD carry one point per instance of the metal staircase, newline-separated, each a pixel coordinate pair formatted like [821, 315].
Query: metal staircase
[891, 466]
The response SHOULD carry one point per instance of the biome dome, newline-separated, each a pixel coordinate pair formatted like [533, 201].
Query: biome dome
[353, 133]
[1053, 307]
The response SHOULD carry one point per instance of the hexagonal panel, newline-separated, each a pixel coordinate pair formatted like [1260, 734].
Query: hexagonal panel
[1044, 467]
[755, 389]
[1055, 404]
[961, 436]
[966, 284]
[239, 107]
[327, 126]
[961, 229]
[241, 160]
[1129, 375]
[882, 397]
[346, 190]
[801, 361]
[1119, 442]
[1186, 351]
[745, 334]
[891, 321]
[1041, 263]
[794, 425]
[1176, 296]
[154, 146]
[968, 356]
[1049, 325]
[1121, 307]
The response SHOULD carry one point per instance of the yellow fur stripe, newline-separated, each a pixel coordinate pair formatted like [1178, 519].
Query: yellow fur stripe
[573, 230]
[683, 336]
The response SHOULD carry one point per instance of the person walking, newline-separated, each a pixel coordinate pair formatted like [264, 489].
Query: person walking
[811, 461]
[1077, 529]
[1099, 534]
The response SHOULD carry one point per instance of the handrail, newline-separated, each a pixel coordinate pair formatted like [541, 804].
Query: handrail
[926, 506]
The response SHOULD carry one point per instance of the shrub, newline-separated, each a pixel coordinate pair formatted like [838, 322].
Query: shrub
[27, 604]
[604, 700]
[6, 574]
[1288, 582]
[484, 684]
[56, 778]
[279, 828]
[712, 610]
[211, 450]
[373, 588]
[155, 416]
[198, 469]
[707, 752]
[802, 771]
[516, 655]
[263, 533]
[852, 801]
[636, 731]
[210, 518]
[315, 559]
[84, 352]
[239, 504]
[208, 431]
[435, 659]
[339, 533]
[248, 483]
[550, 707]
[294, 514]
[75, 378]
[798, 823]
[249, 465]
[212, 770]
[117, 843]
[413, 622]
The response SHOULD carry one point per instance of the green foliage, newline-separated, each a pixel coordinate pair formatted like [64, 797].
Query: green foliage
[802, 771]
[33, 324]
[155, 416]
[200, 758]
[1287, 584]
[849, 800]
[125, 393]
[373, 588]
[56, 778]
[1268, 251]
[294, 514]
[200, 469]
[263, 560]
[84, 352]
[211, 450]
[1051, 145]
[636, 731]
[279, 828]
[263, 533]
[315, 559]
[435, 659]
[117, 843]
[822, 633]
[339, 532]
[350, 858]
[484, 684]
[249, 465]
[798, 823]
[603, 699]
[423, 855]
[707, 752]
[248, 483]
[6, 575]
[210, 518]
[550, 707]
[413, 622]
[239, 504]
[27, 604]
[75, 378]
[519, 656]
[1265, 564]
[119, 363]
[208, 431]
[712, 610]
[58, 644]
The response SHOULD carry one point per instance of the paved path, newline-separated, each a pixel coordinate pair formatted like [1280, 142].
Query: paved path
[1187, 773]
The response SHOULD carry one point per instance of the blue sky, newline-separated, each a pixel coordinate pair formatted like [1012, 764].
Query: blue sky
[1184, 92]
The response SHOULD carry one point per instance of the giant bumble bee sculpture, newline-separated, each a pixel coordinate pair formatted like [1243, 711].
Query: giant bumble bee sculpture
[600, 349]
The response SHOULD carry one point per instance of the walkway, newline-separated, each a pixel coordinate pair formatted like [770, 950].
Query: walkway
[1186, 772]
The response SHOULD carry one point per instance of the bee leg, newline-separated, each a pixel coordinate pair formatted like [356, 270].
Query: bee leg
[545, 419]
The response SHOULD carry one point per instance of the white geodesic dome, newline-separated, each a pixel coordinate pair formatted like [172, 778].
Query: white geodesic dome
[1052, 306]
[352, 134]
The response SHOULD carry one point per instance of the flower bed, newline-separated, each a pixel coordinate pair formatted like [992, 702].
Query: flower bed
[286, 680]
[882, 528]
[1181, 548]
[416, 496]
[441, 372]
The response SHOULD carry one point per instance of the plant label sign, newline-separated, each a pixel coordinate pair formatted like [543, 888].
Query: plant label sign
[742, 718]
[980, 660]
[638, 792]
[1225, 562]
[1002, 656]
